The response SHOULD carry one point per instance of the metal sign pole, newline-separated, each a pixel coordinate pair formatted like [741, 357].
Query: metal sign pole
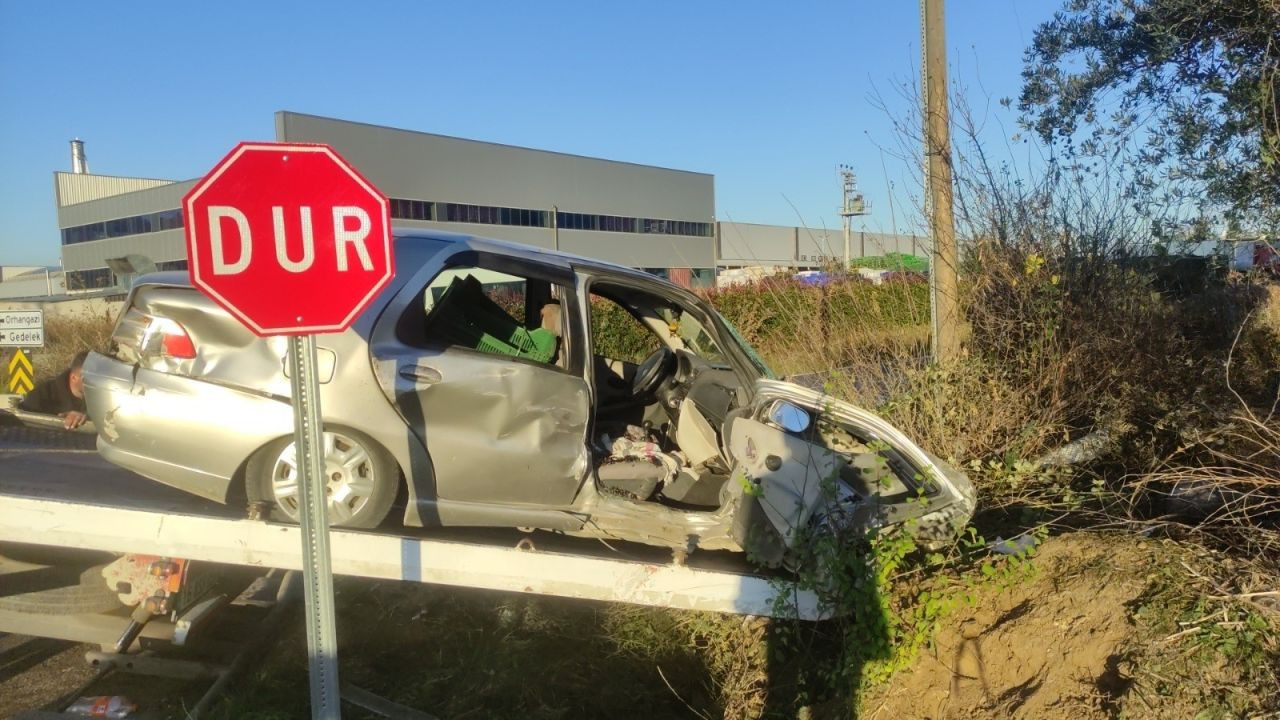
[322, 630]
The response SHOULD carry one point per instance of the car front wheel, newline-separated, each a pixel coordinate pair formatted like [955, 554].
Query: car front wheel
[360, 479]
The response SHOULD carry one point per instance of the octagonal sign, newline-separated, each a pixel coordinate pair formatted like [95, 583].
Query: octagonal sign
[288, 237]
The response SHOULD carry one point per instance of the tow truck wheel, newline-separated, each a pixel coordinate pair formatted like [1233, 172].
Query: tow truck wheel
[60, 590]
[360, 479]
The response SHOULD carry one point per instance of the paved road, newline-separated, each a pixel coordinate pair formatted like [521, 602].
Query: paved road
[62, 465]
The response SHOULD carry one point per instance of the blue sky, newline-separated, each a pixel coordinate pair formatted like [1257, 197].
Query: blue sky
[767, 96]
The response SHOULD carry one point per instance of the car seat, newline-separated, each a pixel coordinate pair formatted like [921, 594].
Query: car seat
[636, 466]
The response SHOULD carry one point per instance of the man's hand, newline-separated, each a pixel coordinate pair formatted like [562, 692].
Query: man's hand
[73, 419]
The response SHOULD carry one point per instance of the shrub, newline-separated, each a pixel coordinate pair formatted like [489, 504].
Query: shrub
[776, 309]
[68, 334]
[1074, 325]
[846, 323]
[617, 335]
[798, 327]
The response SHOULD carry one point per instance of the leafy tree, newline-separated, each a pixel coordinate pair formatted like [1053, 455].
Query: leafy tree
[1189, 86]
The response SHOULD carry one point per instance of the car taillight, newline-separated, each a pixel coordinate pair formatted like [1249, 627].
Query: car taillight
[177, 344]
[146, 338]
[174, 340]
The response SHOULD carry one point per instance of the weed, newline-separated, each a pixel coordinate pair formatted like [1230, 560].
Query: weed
[66, 335]
[455, 652]
[889, 599]
[1205, 654]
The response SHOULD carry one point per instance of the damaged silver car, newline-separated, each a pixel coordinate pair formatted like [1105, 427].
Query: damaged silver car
[483, 388]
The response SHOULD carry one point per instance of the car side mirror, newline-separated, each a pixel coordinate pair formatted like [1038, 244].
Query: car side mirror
[789, 417]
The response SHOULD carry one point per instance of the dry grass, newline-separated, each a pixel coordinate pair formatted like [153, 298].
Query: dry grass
[66, 335]
[1226, 485]
[466, 653]
[856, 353]
[847, 321]
[1225, 476]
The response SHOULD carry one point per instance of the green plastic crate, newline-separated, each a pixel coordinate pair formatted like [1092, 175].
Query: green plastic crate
[465, 316]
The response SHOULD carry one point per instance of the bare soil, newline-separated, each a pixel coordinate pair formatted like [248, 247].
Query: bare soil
[37, 671]
[1081, 641]
[40, 673]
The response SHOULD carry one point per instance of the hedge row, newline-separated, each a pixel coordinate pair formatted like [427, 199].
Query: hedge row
[772, 311]
[778, 312]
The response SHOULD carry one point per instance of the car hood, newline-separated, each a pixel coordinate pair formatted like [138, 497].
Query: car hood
[849, 466]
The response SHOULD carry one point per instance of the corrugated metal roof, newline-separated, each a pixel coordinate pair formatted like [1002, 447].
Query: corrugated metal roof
[73, 188]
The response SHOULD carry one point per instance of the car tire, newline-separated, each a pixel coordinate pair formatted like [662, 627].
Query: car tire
[361, 479]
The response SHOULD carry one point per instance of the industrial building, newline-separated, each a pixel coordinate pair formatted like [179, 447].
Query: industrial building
[658, 219]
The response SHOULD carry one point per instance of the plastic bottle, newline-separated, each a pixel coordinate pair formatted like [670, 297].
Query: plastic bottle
[103, 706]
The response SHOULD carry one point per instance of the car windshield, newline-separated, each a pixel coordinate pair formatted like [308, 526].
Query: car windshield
[756, 361]
[694, 336]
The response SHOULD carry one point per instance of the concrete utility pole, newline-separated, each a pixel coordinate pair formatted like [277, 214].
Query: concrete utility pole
[937, 133]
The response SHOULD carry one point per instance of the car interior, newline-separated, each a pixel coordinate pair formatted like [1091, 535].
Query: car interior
[662, 407]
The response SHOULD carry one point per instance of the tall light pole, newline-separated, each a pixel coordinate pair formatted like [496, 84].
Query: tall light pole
[937, 134]
[854, 205]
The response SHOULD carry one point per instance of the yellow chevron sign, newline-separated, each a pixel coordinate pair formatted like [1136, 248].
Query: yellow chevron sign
[20, 373]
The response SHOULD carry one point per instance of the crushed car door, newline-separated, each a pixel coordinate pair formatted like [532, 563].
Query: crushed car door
[500, 412]
[806, 460]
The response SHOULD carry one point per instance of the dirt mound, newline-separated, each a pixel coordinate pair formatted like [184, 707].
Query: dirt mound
[1049, 648]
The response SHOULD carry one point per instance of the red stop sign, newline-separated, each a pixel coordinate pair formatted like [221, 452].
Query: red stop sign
[289, 238]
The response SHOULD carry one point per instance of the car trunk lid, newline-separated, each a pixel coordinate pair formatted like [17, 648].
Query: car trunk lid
[176, 330]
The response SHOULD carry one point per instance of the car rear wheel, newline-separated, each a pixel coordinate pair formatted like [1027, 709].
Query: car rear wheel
[360, 479]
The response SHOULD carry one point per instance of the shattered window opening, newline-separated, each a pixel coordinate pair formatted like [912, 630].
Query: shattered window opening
[495, 313]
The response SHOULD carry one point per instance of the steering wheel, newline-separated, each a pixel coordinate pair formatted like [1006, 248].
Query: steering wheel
[651, 371]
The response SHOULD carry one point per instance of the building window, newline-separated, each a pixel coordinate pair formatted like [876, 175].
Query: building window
[90, 279]
[703, 278]
[405, 209]
[168, 220]
[412, 209]
[582, 221]
[488, 215]
[613, 223]
[676, 227]
[120, 227]
[172, 265]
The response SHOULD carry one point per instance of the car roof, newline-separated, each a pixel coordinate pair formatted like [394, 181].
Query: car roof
[527, 252]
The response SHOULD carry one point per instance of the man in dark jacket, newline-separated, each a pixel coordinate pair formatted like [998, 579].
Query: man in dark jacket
[62, 395]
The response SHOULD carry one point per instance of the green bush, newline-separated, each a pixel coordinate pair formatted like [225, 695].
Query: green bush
[773, 310]
[778, 315]
[616, 335]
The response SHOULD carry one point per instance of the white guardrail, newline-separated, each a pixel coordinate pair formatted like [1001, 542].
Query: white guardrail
[389, 557]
